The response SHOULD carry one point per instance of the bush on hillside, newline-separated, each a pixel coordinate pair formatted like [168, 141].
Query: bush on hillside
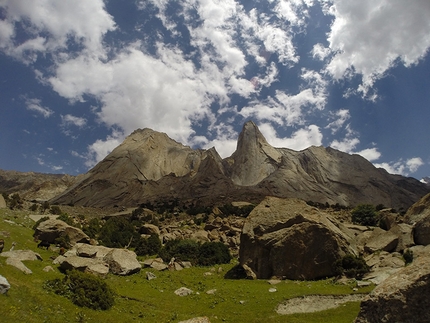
[365, 214]
[351, 266]
[93, 228]
[85, 290]
[118, 232]
[212, 253]
[184, 250]
[207, 254]
[148, 246]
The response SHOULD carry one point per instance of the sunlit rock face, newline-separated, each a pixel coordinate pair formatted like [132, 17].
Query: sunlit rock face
[150, 167]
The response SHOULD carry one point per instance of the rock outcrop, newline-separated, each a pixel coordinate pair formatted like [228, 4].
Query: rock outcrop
[149, 167]
[401, 297]
[287, 238]
[15, 258]
[52, 229]
[35, 186]
[99, 260]
[419, 210]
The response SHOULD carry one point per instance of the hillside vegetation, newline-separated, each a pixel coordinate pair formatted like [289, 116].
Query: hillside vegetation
[140, 300]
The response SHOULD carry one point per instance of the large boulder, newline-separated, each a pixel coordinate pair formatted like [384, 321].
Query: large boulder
[52, 229]
[422, 231]
[419, 210]
[15, 258]
[122, 262]
[402, 297]
[288, 238]
[381, 240]
[91, 265]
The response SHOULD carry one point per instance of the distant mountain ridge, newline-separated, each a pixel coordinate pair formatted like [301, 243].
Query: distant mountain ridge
[151, 167]
[37, 186]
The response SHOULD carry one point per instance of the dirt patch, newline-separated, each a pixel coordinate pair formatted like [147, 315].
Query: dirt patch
[315, 303]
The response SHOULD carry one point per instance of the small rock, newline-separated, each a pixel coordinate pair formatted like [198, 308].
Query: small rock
[272, 290]
[150, 276]
[4, 285]
[197, 320]
[48, 269]
[183, 291]
[211, 292]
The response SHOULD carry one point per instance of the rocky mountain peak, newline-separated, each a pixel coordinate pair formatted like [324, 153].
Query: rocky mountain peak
[151, 167]
[254, 159]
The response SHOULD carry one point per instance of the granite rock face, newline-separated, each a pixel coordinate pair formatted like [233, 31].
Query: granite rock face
[52, 229]
[286, 238]
[402, 297]
[150, 167]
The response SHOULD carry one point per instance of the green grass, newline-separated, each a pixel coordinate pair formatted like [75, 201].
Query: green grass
[140, 300]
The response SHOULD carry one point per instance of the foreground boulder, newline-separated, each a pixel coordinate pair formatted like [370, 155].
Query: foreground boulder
[122, 262]
[15, 258]
[52, 229]
[99, 260]
[287, 238]
[402, 297]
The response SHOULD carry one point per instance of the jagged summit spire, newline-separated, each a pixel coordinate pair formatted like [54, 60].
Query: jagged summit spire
[254, 159]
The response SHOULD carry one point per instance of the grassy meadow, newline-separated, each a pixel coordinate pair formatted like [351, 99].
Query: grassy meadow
[140, 300]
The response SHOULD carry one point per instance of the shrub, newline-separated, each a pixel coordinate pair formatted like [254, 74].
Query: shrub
[408, 256]
[118, 232]
[351, 266]
[63, 241]
[184, 250]
[34, 207]
[212, 253]
[15, 202]
[55, 209]
[93, 228]
[85, 290]
[148, 246]
[365, 214]
[64, 217]
[207, 254]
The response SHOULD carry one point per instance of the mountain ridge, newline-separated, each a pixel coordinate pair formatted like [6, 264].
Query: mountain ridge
[150, 167]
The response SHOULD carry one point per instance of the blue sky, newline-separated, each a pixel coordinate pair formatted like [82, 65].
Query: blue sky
[78, 76]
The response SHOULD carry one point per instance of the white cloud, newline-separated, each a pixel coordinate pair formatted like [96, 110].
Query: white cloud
[402, 167]
[286, 109]
[370, 154]
[34, 105]
[69, 120]
[320, 52]
[368, 37]
[347, 144]
[340, 116]
[101, 148]
[50, 24]
[299, 140]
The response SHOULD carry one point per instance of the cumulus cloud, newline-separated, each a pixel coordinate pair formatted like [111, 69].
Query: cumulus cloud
[35, 105]
[368, 37]
[101, 148]
[299, 140]
[402, 167]
[50, 24]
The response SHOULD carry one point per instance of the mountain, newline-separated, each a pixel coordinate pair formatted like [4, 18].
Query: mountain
[150, 167]
[34, 186]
